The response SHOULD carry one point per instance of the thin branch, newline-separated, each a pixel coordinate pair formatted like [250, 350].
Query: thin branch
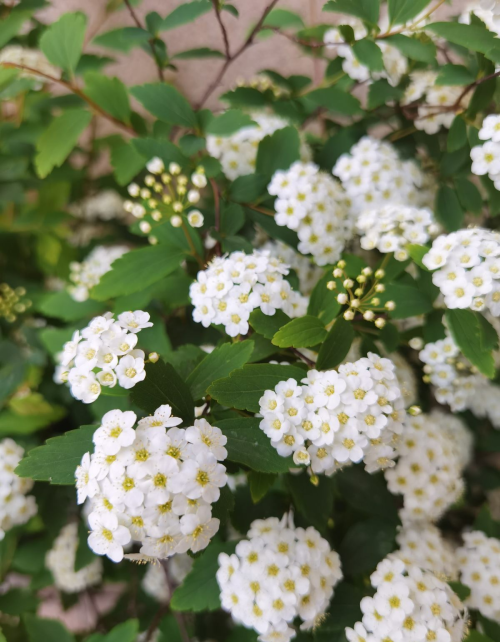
[75, 90]
[178, 616]
[151, 43]
[222, 28]
[305, 359]
[215, 189]
[262, 210]
[229, 60]
[298, 41]
[387, 34]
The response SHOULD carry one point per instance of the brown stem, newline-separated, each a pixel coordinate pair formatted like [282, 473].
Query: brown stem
[75, 90]
[215, 189]
[151, 43]
[305, 359]
[222, 28]
[178, 616]
[229, 60]
[262, 210]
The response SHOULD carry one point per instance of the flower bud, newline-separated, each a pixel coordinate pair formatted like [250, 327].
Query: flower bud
[379, 274]
[156, 216]
[380, 322]
[193, 196]
[349, 315]
[342, 298]
[153, 357]
[199, 180]
[361, 278]
[195, 218]
[341, 264]
[375, 301]
[369, 315]
[145, 227]
[337, 273]
[348, 283]
[331, 285]
[177, 206]
[380, 287]
[174, 169]
[176, 221]
[417, 343]
[415, 411]
[390, 305]
[367, 271]
[355, 303]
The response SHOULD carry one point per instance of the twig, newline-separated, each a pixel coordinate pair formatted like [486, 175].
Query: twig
[178, 616]
[298, 41]
[222, 28]
[194, 253]
[231, 58]
[215, 189]
[262, 210]
[75, 90]
[151, 43]
[387, 34]
[305, 359]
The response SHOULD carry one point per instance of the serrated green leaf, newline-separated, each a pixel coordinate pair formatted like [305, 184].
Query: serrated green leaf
[57, 141]
[448, 210]
[246, 189]
[323, 302]
[126, 162]
[335, 100]
[283, 19]
[402, 11]
[229, 122]
[468, 36]
[123, 39]
[62, 42]
[365, 9]
[248, 445]
[200, 52]
[186, 13]
[57, 459]
[164, 149]
[469, 335]
[245, 97]
[244, 387]
[268, 325]
[109, 93]
[336, 345]
[368, 54]
[303, 332]
[163, 385]
[199, 591]
[166, 103]
[454, 75]
[136, 270]
[218, 364]
[413, 48]
[278, 151]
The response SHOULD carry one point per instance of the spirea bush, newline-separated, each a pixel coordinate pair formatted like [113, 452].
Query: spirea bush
[249, 339]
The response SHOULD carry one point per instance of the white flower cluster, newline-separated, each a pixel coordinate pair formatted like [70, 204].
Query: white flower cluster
[433, 451]
[395, 64]
[314, 205]
[60, 561]
[423, 545]
[486, 10]
[393, 227]
[103, 354]
[277, 574]
[31, 58]
[15, 506]
[88, 273]
[104, 206]
[409, 604]
[337, 418]
[152, 485]
[467, 269]
[231, 287]
[486, 157]
[493, 6]
[307, 273]
[373, 175]
[237, 153]
[436, 110]
[479, 565]
[154, 582]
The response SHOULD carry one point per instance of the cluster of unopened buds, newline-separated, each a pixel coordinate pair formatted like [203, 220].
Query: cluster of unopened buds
[361, 294]
[166, 194]
[12, 302]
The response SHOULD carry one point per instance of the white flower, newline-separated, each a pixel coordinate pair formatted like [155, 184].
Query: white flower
[134, 321]
[206, 438]
[115, 432]
[130, 369]
[107, 536]
[195, 218]
[155, 166]
[198, 529]
[86, 485]
[201, 477]
[86, 275]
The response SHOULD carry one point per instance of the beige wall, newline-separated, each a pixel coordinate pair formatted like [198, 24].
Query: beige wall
[194, 75]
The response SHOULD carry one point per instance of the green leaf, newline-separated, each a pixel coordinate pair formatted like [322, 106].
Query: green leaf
[232, 219]
[476, 636]
[200, 52]
[109, 93]
[461, 590]
[365, 9]
[367, 493]
[246, 189]
[244, 387]
[448, 210]
[457, 136]
[123, 39]
[313, 502]
[278, 151]
[343, 611]
[323, 302]
[365, 544]
[164, 149]
[136, 270]
[62, 42]
[259, 484]
[413, 48]
[166, 103]
[381, 92]
[218, 364]
[336, 345]
[163, 385]
[229, 122]
[60, 305]
[57, 459]
[283, 19]
[468, 194]
[369, 54]
[409, 300]
[454, 75]
[11, 25]
[268, 325]
[126, 162]
[245, 97]
[468, 36]
[84, 554]
[469, 335]
[335, 100]
[200, 591]
[57, 141]
[18, 601]
[186, 13]
[15, 424]
[248, 445]
[42, 630]
[303, 332]
[402, 11]
[124, 632]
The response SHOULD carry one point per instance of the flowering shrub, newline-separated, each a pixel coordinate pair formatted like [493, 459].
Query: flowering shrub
[249, 336]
